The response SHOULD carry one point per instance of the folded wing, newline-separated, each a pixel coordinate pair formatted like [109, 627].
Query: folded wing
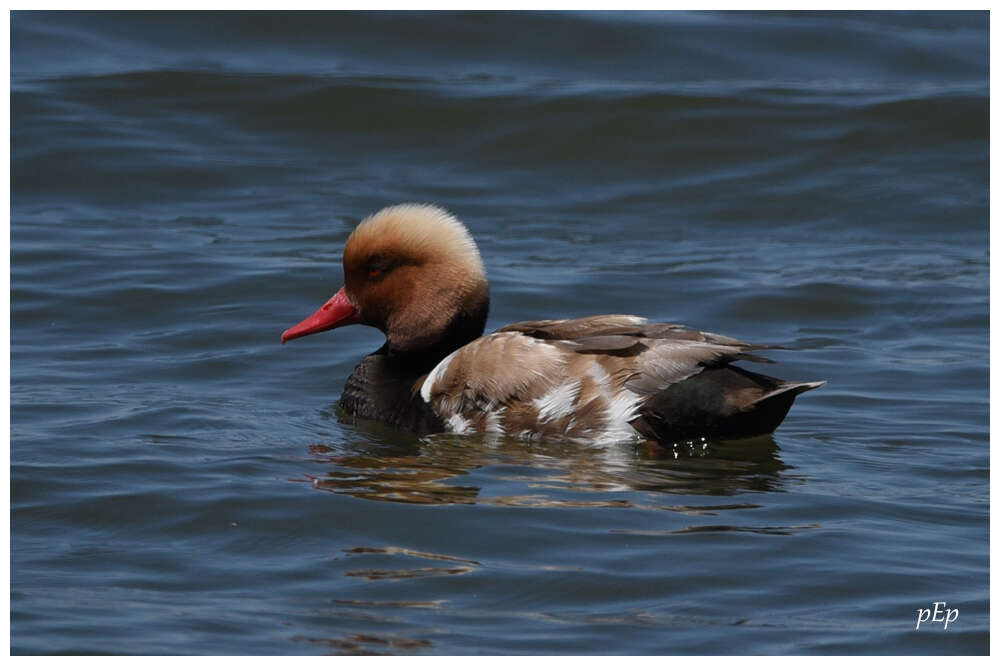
[597, 378]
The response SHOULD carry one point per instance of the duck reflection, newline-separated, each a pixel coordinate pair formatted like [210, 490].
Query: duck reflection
[387, 465]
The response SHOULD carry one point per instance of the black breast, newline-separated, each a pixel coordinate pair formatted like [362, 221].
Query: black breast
[381, 388]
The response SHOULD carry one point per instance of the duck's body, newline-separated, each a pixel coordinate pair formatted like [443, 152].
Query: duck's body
[414, 272]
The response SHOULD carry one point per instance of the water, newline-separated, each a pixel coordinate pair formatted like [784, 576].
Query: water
[181, 189]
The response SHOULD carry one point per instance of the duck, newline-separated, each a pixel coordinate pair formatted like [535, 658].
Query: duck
[414, 272]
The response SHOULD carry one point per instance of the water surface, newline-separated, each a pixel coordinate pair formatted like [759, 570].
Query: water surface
[181, 189]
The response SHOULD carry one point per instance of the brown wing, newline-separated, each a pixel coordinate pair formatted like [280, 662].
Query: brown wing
[573, 329]
[621, 325]
[576, 377]
[492, 371]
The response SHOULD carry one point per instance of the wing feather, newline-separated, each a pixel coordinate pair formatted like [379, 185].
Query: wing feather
[575, 374]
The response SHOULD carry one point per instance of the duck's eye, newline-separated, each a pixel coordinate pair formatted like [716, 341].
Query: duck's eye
[379, 265]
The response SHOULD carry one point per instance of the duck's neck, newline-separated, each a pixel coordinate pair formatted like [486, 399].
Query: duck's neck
[384, 386]
[464, 327]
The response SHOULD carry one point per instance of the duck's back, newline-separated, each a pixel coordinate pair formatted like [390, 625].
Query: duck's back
[604, 378]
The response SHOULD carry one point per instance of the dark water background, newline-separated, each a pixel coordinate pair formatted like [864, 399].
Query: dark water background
[182, 186]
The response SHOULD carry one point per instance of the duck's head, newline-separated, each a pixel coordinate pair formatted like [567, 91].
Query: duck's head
[413, 272]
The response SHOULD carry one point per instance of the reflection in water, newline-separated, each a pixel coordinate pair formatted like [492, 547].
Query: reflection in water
[373, 612]
[465, 566]
[399, 574]
[394, 550]
[396, 467]
[366, 644]
[698, 529]
[386, 465]
[436, 604]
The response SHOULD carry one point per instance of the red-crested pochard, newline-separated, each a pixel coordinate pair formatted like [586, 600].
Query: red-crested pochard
[413, 272]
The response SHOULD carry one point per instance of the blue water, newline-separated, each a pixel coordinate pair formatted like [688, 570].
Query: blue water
[182, 185]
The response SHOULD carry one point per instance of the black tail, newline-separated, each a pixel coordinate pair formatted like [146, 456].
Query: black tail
[720, 403]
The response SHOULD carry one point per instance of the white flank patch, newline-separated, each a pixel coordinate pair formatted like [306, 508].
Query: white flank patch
[493, 425]
[435, 374]
[558, 402]
[622, 409]
[601, 379]
[457, 424]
